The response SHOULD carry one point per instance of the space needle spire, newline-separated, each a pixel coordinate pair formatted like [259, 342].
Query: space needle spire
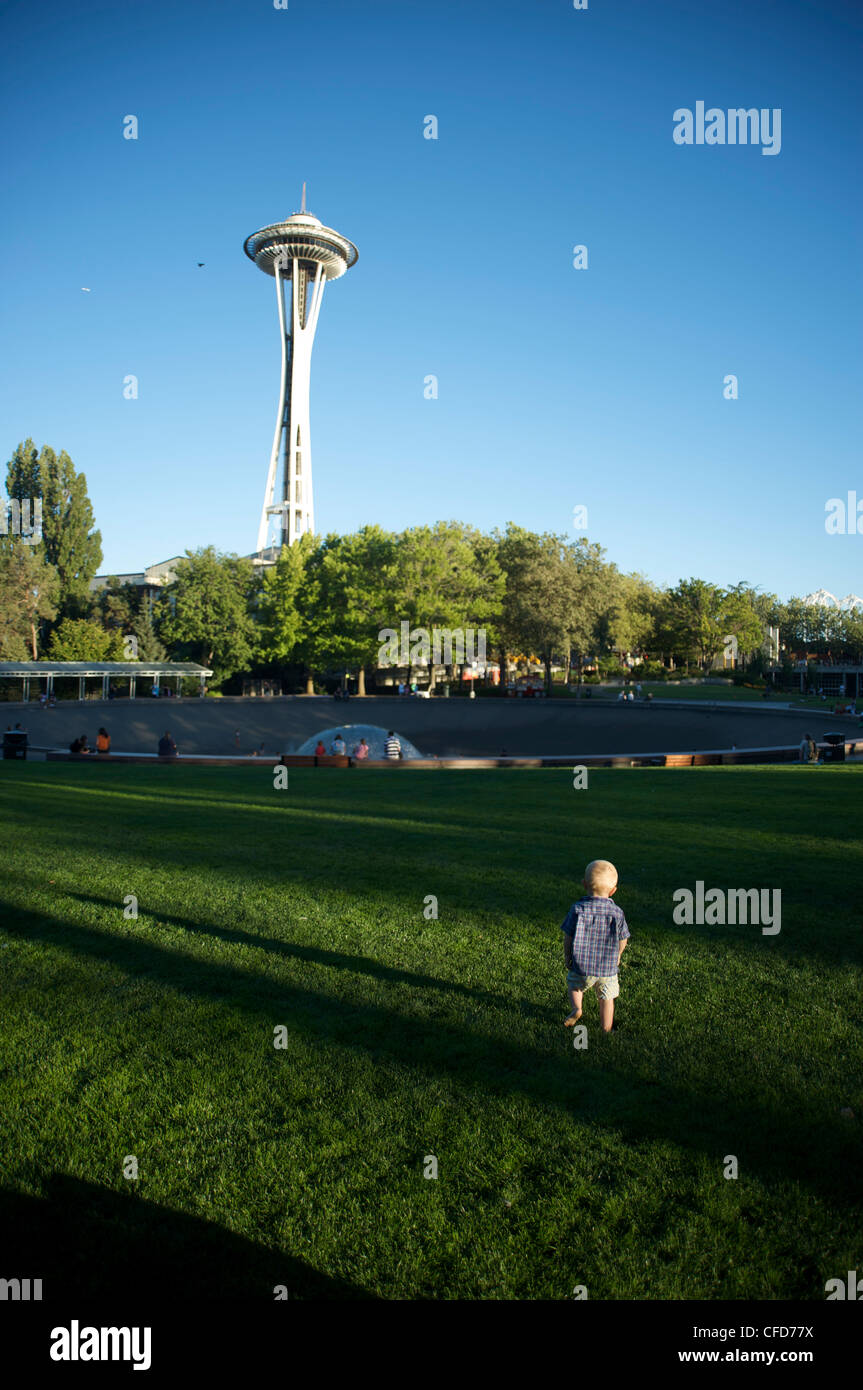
[301, 254]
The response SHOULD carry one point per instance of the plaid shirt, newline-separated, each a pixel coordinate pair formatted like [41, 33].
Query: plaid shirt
[594, 927]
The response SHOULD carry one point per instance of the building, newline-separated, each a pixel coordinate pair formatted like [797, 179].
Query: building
[302, 255]
[151, 580]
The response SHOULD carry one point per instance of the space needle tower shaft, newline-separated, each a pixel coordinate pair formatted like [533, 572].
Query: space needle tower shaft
[302, 255]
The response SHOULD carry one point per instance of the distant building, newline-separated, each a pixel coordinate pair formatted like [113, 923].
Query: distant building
[822, 598]
[151, 580]
[157, 577]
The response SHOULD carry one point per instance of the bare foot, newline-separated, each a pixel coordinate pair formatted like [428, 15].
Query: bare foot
[572, 1019]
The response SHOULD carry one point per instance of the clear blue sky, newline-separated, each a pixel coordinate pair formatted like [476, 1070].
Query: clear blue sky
[557, 387]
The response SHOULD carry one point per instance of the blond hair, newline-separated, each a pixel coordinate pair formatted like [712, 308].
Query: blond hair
[600, 877]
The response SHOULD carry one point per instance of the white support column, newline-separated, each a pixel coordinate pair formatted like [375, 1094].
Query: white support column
[270, 491]
[301, 366]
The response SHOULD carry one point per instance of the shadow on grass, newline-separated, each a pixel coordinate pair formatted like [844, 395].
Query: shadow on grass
[483, 879]
[317, 955]
[83, 1240]
[605, 1087]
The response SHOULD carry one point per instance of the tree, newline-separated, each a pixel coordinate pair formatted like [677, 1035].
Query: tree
[125, 608]
[69, 541]
[765, 606]
[447, 576]
[597, 597]
[632, 611]
[206, 614]
[280, 611]
[804, 627]
[697, 618]
[79, 639]
[149, 648]
[29, 589]
[354, 587]
[742, 619]
[539, 597]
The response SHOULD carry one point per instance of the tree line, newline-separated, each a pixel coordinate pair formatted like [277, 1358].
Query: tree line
[323, 606]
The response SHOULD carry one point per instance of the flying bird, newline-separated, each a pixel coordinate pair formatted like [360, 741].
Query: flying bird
[85, 289]
[200, 263]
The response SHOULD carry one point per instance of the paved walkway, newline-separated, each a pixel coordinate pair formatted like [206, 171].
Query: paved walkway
[485, 727]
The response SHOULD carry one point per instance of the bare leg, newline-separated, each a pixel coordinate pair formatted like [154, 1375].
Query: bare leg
[606, 1014]
[575, 996]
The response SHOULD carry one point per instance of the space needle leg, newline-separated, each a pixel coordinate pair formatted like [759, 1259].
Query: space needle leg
[270, 492]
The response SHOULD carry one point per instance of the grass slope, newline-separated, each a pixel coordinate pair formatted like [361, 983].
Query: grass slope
[408, 1037]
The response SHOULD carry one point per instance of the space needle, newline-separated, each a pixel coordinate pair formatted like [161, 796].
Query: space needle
[303, 254]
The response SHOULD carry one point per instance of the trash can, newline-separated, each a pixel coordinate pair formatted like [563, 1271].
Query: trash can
[835, 752]
[15, 744]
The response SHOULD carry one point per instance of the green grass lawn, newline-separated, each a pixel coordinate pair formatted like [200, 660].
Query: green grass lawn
[407, 1037]
[665, 690]
[816, 703]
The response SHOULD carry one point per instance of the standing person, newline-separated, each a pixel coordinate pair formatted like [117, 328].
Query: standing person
[43, 699]
[167, 746]
[393, 746]
[808, 749]
[236, 738]
[103, 741]
[594, 939]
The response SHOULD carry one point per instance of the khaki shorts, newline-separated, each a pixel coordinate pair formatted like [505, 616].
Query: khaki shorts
[606, 986]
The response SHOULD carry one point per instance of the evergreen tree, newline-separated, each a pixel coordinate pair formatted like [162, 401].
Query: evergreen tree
[69, 542]
[125, 608]
[29, 590]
